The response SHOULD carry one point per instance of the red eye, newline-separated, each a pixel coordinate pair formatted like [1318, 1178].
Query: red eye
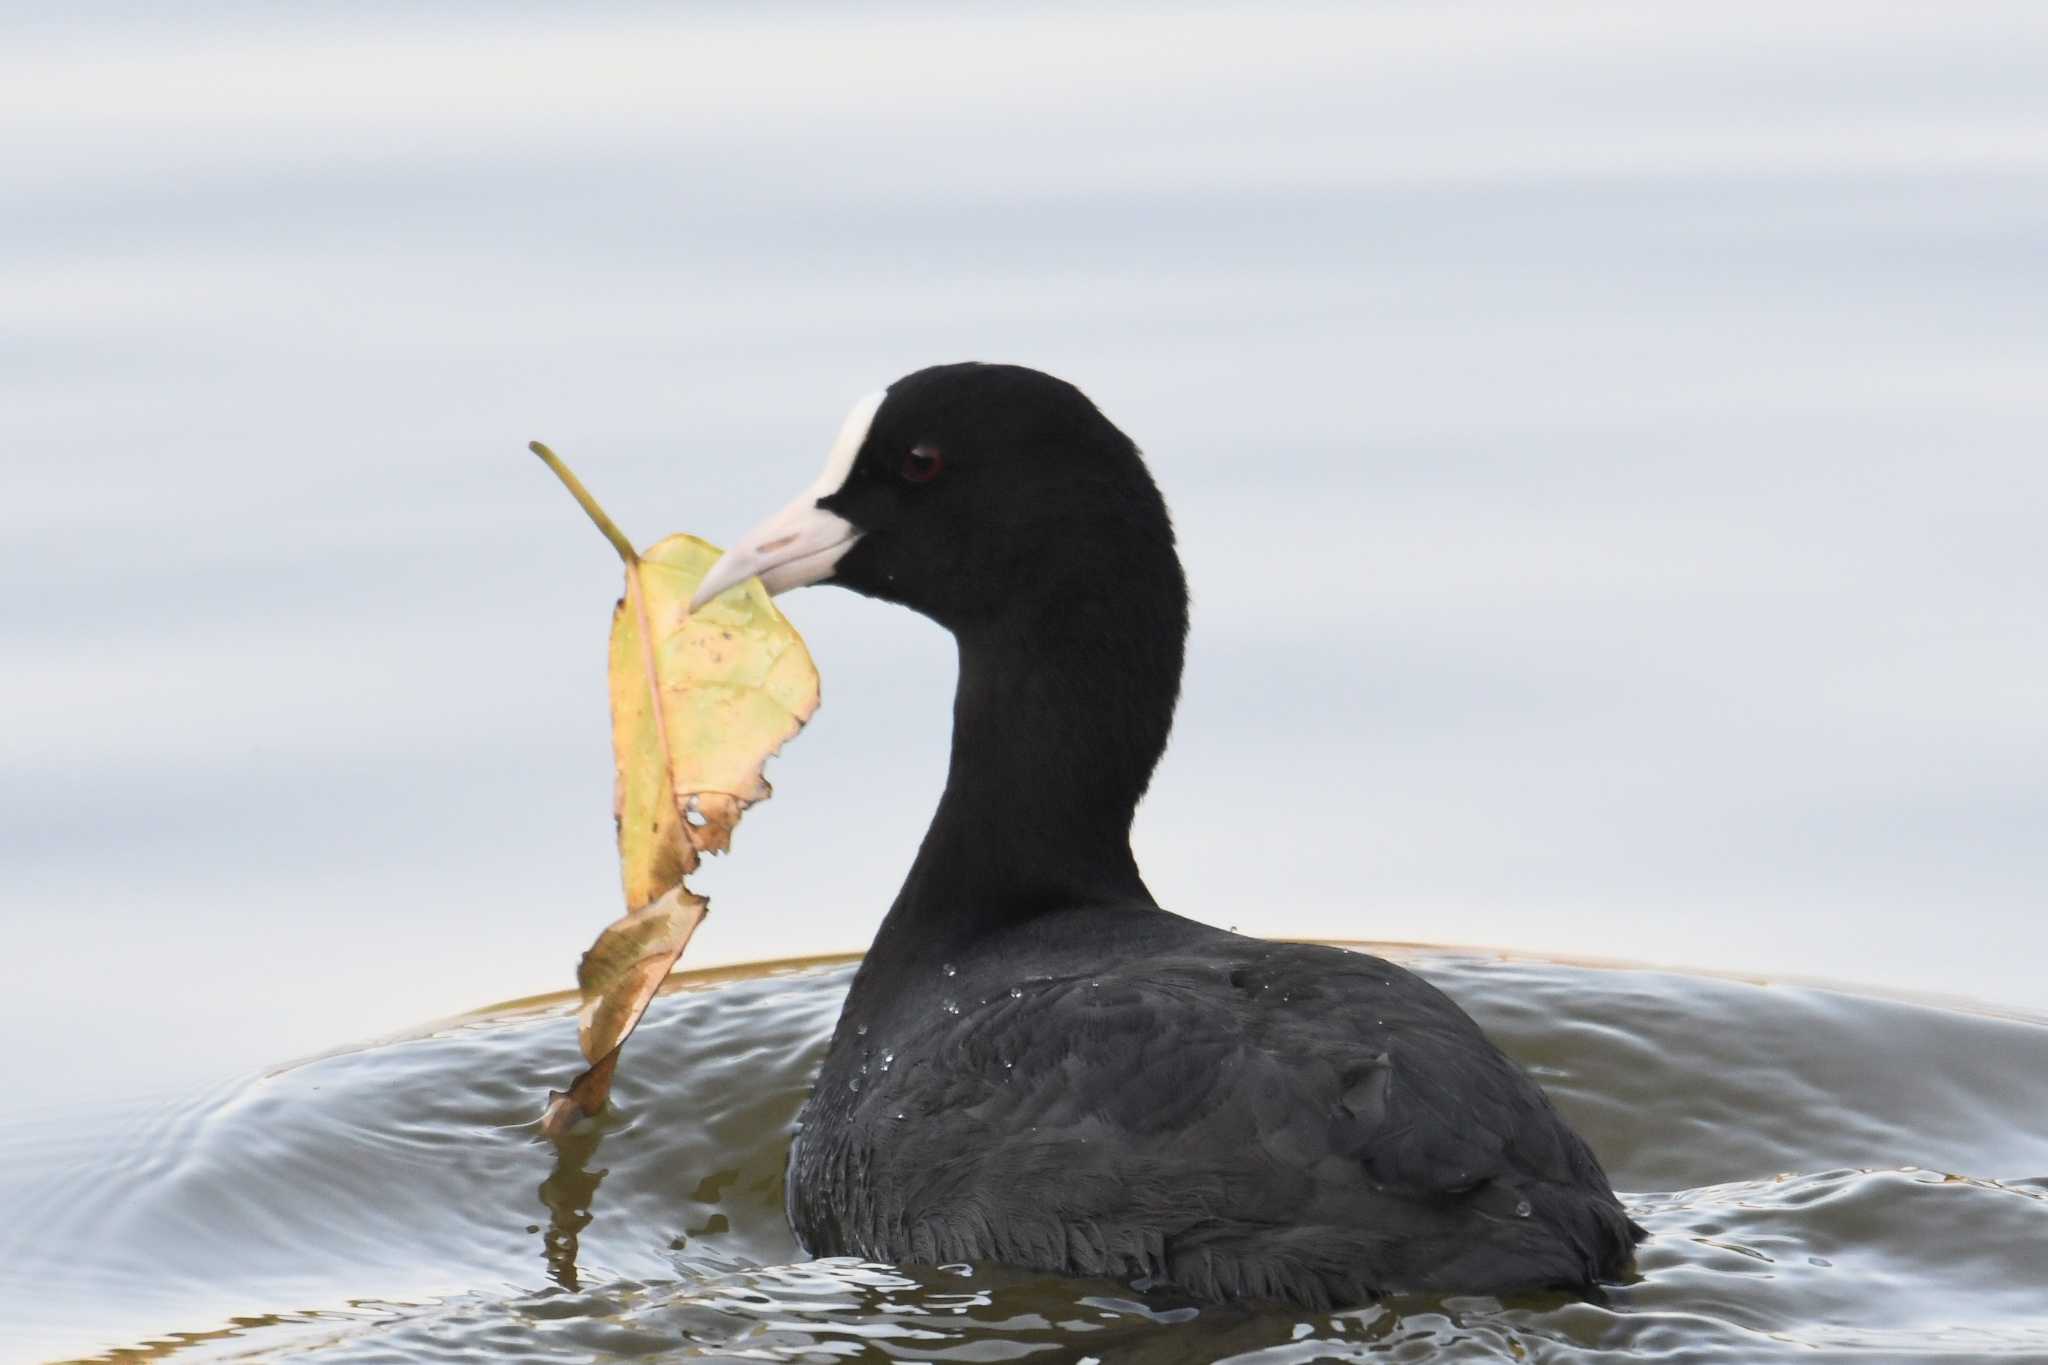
[922, 464]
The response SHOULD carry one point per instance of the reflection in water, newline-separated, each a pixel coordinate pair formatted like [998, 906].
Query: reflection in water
[570, 1192]
[1820, 1173]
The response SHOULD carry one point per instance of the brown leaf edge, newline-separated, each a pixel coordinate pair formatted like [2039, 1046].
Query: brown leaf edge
[652, 939]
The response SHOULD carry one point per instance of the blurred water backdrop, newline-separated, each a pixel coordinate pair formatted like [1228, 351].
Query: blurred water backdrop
[1606, 442]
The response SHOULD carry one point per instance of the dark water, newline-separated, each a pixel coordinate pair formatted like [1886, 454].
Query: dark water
[1824, 1176]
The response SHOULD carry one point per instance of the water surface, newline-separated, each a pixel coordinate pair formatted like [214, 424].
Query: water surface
[1822, 1174]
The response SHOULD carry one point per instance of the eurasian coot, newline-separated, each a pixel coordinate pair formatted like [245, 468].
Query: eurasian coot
[1036, 1064]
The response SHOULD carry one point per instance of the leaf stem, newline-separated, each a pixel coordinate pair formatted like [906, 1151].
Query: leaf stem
[588, 503]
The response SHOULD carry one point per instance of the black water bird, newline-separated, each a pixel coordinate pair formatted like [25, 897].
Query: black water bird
[1036, 1064]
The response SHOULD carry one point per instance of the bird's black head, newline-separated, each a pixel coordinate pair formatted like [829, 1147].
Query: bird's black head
[974, 494]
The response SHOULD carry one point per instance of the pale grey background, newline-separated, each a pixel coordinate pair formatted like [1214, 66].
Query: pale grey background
[1606, 442]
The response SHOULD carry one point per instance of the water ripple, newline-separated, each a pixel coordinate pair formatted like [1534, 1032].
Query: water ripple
[1822, 1174]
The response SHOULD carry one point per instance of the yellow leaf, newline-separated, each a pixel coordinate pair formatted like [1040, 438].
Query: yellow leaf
[699, 703]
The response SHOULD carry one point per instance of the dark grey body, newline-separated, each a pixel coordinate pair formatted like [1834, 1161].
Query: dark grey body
[1160, 1099]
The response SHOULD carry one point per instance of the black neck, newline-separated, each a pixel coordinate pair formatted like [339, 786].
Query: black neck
[1061, 713]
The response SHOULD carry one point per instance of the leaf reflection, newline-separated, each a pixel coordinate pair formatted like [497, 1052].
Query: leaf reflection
[570, 1192]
